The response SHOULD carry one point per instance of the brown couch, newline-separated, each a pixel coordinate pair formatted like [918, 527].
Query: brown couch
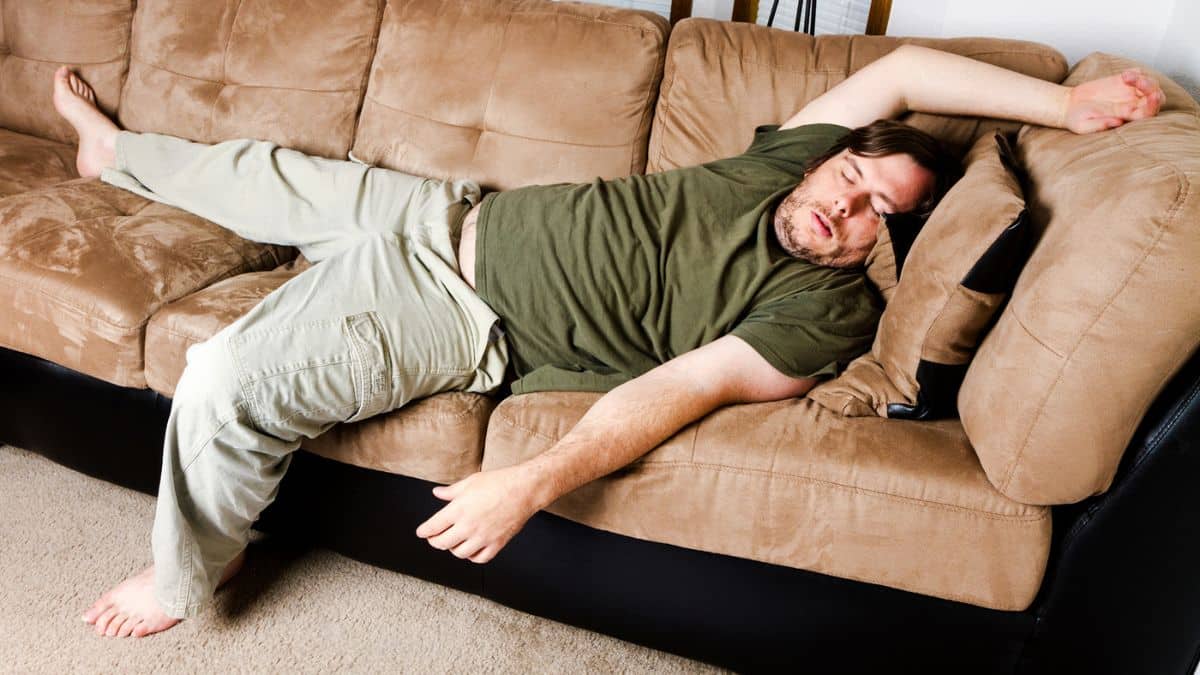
[760, 536]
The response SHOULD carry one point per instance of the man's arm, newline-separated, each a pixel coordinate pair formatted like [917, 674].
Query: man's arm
[919, 79]
[486, 509]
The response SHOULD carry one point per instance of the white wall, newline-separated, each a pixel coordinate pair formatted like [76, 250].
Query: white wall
[1163, 34]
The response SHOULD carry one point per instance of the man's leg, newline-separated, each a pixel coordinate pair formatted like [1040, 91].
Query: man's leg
[364, 332]
[256, 189]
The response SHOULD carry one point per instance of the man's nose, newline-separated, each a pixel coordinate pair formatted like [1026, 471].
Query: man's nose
[848, 203]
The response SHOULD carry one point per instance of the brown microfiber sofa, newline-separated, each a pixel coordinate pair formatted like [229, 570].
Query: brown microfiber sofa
[1050, 529]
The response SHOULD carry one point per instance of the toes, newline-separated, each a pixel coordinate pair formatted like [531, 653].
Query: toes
[141, 629]
[105, 618]
[126, 627]
[115, 625]
[97, 608]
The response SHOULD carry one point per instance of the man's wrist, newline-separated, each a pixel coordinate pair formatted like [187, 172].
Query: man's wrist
[1064, 106]
[539, 483]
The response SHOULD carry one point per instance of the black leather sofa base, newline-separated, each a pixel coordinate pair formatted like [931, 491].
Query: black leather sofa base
[1121, 596]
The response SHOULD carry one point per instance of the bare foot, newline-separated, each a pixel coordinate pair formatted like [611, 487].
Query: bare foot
[131, 609]
[76, 102]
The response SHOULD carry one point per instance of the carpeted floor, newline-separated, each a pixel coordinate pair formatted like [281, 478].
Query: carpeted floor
[65, 537]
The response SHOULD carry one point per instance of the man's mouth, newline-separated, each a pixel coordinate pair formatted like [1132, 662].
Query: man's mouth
[821, 226]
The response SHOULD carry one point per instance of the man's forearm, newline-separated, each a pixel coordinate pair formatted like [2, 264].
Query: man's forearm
[488, 508]
[938, 82]
[623, 425]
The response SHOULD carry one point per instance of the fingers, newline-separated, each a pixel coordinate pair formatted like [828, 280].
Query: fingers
[485, 554]
[448, 492]
[1150, 95]
[436, 524]
[1139, 80]
[449, 539]
[468, 549]
[1101, 124]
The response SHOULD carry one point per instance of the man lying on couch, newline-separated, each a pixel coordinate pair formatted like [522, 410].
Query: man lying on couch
[679, 292]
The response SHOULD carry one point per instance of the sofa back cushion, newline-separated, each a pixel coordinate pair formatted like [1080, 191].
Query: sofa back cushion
[288, 71]
[722, 79]
[512, 92]
[38, 36]
[1106, 309]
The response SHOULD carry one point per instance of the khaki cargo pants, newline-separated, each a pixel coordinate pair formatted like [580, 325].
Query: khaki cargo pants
[383, 319]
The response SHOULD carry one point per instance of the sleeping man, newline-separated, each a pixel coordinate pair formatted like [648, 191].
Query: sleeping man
[732, 282]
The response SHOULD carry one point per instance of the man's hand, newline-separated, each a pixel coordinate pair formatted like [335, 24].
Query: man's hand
[486, 509]
[1109, 102]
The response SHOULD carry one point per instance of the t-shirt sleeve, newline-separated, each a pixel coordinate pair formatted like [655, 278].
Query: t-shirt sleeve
[791, 149]
[813, 333]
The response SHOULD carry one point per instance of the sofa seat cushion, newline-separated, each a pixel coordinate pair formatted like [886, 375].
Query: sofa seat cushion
[439, 438]
[84, 265]
[29, 162]
[899, 503]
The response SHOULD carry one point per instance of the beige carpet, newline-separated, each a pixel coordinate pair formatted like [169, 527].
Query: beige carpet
[65, 537]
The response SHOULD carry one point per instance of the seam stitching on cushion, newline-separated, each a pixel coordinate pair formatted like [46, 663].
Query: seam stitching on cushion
[12, 246]
[87, 314]
[576, 17]
[504, 417]
[1183, 190]
[130, 329]
[483, 118]
[923, 503]
[813, 71]
[492, 131]
[143, 207]
[121, 57]
[160, 326]
[651, 98]
[664, 104]
[157, 66]
[1021, 323]
[365, 80]
[212, 111]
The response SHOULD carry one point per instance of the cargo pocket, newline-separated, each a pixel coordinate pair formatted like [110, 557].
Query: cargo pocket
[301, 379]
[372, 365]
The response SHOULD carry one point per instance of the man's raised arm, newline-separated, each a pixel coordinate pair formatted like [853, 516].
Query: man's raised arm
[920, 79]
[486, 509]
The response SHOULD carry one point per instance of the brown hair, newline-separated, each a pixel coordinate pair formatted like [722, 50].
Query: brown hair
[888, 137]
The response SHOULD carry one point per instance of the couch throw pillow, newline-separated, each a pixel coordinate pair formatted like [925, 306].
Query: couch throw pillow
[958, 273]
[886, 258]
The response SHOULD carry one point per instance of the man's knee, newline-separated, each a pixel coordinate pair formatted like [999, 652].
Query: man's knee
[211, 376]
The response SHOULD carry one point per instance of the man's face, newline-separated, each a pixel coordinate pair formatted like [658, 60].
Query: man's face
[833, 216]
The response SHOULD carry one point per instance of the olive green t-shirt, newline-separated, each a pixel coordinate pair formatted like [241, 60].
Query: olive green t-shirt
[597, 283]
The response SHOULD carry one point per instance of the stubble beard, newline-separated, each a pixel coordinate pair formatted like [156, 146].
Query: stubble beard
[786, 228]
